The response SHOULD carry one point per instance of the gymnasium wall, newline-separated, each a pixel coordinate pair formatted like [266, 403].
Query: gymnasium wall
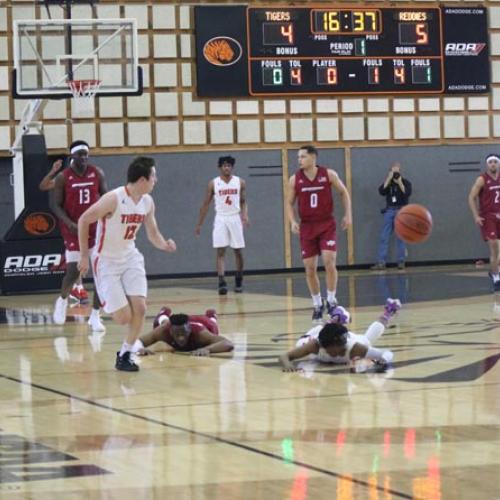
[358, 136]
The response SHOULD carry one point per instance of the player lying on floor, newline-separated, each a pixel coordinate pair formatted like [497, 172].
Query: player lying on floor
[198, 335]
[334, 343]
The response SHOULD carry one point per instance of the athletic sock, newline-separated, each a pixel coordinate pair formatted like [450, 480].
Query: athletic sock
[331, 296]
[317, 302]
[125, 347]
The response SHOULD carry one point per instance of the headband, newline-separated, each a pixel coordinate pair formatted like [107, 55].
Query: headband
[79, 147]
[492, 157]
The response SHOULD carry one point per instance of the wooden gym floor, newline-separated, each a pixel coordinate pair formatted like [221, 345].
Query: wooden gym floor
[234, 426]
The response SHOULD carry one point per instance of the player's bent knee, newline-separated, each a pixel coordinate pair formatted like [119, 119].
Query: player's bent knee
[123, 316]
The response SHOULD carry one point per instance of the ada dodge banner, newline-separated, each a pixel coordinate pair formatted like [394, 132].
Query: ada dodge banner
[36, 266]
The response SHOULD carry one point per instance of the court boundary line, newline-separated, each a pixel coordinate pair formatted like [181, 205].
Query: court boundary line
[217, 439]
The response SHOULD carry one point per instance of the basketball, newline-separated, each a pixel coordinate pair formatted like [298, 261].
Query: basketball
[413, 223]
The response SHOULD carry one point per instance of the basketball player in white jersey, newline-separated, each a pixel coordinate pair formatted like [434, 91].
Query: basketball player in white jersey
[231, 212]
[334, 343]
[117, 264]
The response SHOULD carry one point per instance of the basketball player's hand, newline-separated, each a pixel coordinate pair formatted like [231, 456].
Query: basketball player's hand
[170, 246]
[295, 227]
[83, 265]
[292, 369]
[197, 230]
[56, 166]
[145, 352]
[73, 227]
[245, 220]
[479, 220]
[202, 351]
[346, 222]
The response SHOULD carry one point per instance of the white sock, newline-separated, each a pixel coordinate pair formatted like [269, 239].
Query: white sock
[496, 277]
[125, 347]
[316, 300]
[331, 296]
[94, 313]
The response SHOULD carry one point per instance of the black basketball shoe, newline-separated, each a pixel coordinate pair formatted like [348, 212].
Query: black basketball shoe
[124, 363]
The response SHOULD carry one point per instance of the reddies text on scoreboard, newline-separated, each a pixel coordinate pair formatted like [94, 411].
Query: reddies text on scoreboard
[343, 50]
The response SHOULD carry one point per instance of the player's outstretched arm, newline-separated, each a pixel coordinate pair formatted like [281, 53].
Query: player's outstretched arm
[344, 197]
[211, 344]
[290, 202]
[286, 358]
[104, 207]
[209, 195]
[154, 235]
[144, 345]
[473, 197]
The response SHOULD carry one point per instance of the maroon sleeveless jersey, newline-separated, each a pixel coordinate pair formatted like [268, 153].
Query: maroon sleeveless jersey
[489, 196]
[80, 192]
[315, 198]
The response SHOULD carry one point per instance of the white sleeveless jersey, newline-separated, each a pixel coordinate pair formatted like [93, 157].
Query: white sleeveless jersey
[227, 196]
[324, 357]
[116, 234]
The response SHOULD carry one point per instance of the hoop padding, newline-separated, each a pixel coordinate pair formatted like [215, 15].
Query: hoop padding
[84, 92]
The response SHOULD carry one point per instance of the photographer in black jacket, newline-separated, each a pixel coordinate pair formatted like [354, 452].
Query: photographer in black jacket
[396, 190]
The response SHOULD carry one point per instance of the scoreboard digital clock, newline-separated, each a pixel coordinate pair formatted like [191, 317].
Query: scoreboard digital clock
[266, 51]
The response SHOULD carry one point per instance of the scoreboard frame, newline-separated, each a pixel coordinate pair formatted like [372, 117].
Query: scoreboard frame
[287, 50]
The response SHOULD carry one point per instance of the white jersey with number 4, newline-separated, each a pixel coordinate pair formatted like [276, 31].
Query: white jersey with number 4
[116, 234]
[227, 196]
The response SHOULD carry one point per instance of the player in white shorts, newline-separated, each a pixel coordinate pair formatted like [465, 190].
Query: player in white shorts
[334, 343]
[231, 212]
[117, 264]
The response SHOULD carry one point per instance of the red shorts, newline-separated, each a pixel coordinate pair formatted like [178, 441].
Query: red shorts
[317, 236]
[490, 229]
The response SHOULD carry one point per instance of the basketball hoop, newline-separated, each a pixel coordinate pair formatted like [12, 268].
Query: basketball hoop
[84, 92]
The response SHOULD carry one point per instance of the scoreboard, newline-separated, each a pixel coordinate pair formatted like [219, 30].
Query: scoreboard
[266, 51]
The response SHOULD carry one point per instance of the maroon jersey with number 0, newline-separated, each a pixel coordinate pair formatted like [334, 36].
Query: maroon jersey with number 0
[314, 197]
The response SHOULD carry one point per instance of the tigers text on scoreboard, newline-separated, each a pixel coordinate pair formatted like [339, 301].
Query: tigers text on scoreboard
[328, 49]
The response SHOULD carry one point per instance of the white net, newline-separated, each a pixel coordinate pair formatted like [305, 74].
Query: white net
[84, 92]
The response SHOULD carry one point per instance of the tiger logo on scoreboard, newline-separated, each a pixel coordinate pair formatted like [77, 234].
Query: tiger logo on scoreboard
[222, 51]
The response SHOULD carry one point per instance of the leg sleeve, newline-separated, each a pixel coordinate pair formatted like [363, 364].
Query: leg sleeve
[374, 332]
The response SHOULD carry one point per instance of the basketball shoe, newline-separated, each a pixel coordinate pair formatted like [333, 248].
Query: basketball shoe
[211, 313]
[59, 315]
[238, 284]
[124, 363]
[95, 322]
[74, 294]
[317, 315]
[340, 315]
[222, 287]
[84, 296]
[392, 306]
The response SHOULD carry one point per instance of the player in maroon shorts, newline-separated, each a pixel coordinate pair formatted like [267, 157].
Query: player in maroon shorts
[486, 191]
[75, 189]
[312, 187]
[198, 335]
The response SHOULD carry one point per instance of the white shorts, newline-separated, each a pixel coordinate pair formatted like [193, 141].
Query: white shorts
[118, 279]
[228, 232]
[74, 255]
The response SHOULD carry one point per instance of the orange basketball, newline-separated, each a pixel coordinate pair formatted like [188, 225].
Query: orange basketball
[413, 223]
